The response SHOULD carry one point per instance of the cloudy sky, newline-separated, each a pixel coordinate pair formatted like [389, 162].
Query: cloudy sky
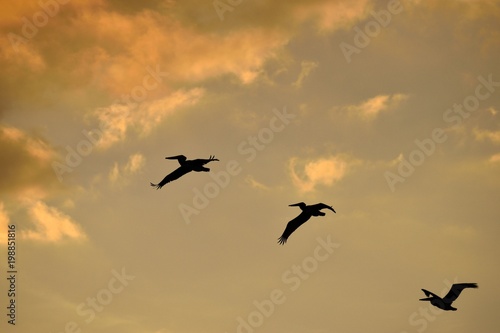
[387, 110]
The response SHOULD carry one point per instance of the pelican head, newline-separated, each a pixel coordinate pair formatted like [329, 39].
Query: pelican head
[300, 204]
[426, 299]
[180, 158]
[177, 157]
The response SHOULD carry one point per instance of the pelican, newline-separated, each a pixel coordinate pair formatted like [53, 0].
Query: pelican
[186, 166]
[445, 303]
[307, 212]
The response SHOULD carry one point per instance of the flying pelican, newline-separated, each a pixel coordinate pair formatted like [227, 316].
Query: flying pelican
[307, 212]
[445, 303]
[186, 166]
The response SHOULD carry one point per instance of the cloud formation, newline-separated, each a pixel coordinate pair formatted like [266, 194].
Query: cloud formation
[324, 171]
[51, 225]
[306, 67]
[119, 174]
[4, 222]
[118, 120]
[25, 163]
[483, 135]
[371, 108]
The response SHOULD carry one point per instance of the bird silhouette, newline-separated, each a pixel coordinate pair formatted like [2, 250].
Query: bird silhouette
[451, 296]
[186, 166]
[307, 212]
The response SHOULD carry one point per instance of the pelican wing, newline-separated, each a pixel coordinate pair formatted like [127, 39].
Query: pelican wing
[320, 206]
[292, 226]
[203, 161]
[177, 173]
[428, 293]
[456, 289]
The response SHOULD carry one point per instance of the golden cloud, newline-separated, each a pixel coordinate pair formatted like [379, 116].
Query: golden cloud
[371, 108]
[120, 174]
[117, 120]
[4, 222]
[482, 135]
[25, 163]
[51, 225]
[324, 171]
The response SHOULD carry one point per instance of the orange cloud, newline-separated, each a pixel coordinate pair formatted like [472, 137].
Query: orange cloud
[495, 158]
[372, 107]
[27, 163]
[322, 171]
[134, 164]
[482, 135]
[52, 225]
[4, 222]
[332, 15]
[117, 120]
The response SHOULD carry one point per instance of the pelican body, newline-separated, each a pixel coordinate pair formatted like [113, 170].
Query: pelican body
[445, 302]
[185, 167]
[304, 216]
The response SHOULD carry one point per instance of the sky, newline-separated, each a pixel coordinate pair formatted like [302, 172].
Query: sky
[387, 110]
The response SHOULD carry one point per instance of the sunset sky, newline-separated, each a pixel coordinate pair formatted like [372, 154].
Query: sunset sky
[387, 110]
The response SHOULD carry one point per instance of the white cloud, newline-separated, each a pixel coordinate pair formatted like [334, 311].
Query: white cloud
[52, 225]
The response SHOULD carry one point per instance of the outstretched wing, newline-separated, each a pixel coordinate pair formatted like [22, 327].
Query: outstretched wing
[320, 206]
[177, 173]
[456, 289]
[292, 226]
[203, 161]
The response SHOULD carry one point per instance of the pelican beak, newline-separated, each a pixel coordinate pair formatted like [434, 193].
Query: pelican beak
[294, 205]
[425, 299]
[172, 157]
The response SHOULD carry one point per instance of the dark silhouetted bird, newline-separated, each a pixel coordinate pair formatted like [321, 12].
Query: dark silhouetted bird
[445, 303]
[186, 166]
[307, 212]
